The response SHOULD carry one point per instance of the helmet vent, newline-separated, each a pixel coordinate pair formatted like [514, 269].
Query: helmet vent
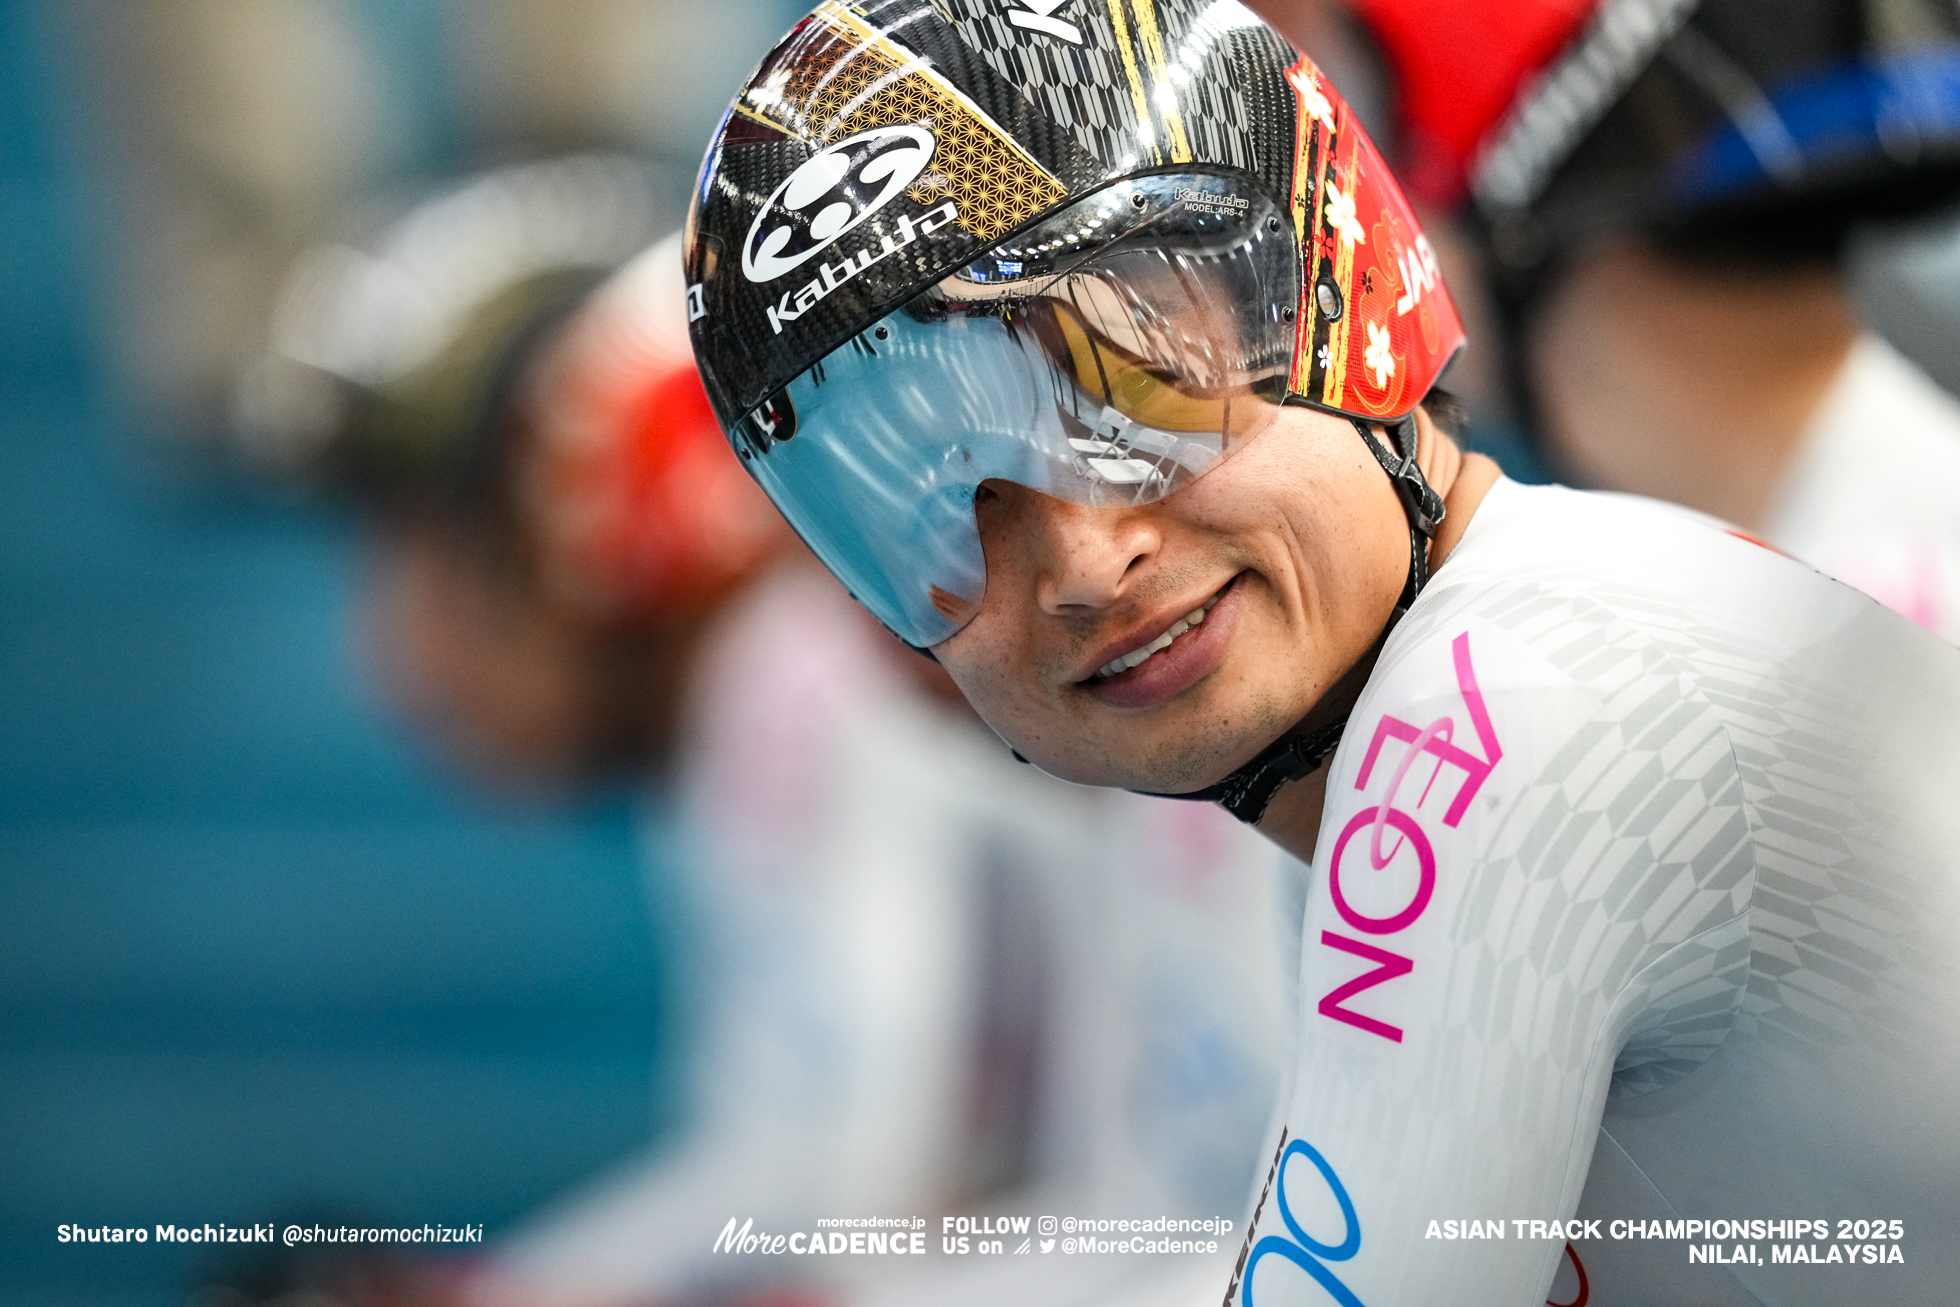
[1328, 296]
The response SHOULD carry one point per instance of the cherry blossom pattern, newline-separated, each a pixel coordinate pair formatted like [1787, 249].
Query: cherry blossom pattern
[1312, 101]
[1342, 217]
[1380, 359]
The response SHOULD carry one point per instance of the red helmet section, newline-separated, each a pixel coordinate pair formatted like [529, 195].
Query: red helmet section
[1377, 324]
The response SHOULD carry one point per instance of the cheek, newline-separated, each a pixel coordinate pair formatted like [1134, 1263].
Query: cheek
[978, 661]
[996, 675]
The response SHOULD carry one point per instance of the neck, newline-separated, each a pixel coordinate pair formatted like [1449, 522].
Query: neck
[1684, 383]
[1292, 819]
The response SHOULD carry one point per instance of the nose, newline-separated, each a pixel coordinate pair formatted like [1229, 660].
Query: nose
[1085, 558]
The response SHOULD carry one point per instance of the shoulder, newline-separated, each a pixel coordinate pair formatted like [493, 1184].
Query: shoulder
[1596, 654]
[1555, 603]
[1604, 543]
[1550, 564]
[1544, 702]
[1528, 773]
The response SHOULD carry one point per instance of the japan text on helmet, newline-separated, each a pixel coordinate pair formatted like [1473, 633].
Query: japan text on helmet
[1086, 245]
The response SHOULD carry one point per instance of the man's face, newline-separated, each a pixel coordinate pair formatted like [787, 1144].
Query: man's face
[1294, 550]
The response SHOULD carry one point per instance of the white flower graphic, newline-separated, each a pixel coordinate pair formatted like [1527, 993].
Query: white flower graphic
[1341, 216]
[1313, 101]
[1379, 359]
[1326, 359]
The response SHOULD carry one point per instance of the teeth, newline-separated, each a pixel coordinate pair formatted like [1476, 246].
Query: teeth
[1116, 666]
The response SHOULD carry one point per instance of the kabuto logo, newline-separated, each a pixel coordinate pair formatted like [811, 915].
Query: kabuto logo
[834, 191]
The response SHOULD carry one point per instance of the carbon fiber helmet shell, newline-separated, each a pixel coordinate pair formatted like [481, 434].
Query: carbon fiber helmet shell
[881, 147]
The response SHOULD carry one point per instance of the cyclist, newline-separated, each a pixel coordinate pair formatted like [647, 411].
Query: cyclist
[1095, 349]
[555, 520]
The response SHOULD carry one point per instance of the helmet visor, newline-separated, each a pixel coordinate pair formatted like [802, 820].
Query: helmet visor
[1110, 355]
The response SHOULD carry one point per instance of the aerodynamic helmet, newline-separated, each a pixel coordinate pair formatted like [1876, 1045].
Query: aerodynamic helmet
[1089, 246]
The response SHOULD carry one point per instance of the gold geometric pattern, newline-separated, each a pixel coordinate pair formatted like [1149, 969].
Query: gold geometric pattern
[849, 78]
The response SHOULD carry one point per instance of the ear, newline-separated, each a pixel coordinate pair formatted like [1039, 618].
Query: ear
[1440, 457]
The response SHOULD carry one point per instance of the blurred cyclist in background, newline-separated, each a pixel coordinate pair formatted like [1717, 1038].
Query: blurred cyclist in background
[1661, 193]
[539, 579]
[926, 974]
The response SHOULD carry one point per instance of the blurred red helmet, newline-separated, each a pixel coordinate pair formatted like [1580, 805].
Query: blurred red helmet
[640, 508]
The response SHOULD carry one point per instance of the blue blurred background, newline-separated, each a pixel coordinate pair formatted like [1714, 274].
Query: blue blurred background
[258, 955]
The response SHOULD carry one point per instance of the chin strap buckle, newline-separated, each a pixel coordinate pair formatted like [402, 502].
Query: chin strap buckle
[1420, 502]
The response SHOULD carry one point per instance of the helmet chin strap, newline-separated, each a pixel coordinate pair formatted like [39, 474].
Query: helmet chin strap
[1246, 792]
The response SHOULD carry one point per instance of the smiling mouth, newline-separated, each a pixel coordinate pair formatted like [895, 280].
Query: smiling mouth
[1145, 652]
